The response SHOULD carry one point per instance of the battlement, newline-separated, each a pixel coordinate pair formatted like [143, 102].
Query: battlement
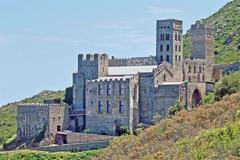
[41, 105]
[92, 57]
[110, 79]
[132, 61]
[198, 28]
[194, 61]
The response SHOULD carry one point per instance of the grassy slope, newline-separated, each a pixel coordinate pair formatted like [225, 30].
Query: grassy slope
[194, 134]
[226, 23]
[39, 155]
[8, 112]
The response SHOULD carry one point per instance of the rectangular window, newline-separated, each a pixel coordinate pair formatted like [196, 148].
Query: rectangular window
[176, 37]
[179, 48]
[120, 89]
[100, 107]
[161, 47]
[179, 38]
[108, 89]
[176, 48]
[121, 107]
[162, 37]
[99, 89]
[109, 108]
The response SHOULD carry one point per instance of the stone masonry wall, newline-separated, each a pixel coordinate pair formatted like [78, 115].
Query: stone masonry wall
[108, 120]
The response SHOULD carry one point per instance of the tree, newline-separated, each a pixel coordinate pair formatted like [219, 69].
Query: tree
[68, 96]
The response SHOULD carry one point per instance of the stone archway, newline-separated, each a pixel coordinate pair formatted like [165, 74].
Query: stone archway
[196, 97]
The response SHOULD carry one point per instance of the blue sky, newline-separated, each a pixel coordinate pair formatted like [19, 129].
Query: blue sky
[40, 40]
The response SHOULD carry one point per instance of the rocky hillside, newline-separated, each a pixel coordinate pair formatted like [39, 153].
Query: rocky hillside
[8, 112]
[226, 22]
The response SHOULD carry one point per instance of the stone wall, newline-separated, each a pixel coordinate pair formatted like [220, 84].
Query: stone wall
[134, 61]
[163, 73]
[32, 119]
[75, 147]
[146, 90]
[75, 137]
[166, 95]
[105, 122]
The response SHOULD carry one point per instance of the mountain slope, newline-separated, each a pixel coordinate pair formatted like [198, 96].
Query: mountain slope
[8, 112]
[178, 137]
[226, 22]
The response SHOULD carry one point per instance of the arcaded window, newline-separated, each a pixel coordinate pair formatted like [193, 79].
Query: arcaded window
[189, 69]
[179, 38]
[167, 36]
[167, 58]
[162, 37]
[99, 89]
[161, 47]
[109, 108]
[168, 48]
[164, 77]
[198, 77]
[100, 109]
[121, 109]
[108, 89]
[200, 69]
[120, 89]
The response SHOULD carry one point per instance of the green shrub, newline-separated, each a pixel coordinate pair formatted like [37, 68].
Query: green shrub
[11, 139]
[209, 98]
[122, 130]
[175, 108]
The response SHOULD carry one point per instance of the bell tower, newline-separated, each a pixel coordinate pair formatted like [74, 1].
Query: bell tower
[169, 45]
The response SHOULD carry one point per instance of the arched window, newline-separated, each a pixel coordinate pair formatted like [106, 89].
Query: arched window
[161, 47]
[203, 78]
[164, 77]
[200, 69]
[198, 77]
[189, 78]
[167, 36]
[179, 48]
[176, 48]
[189, 69]
[194, 69]
[161, 58]
[167, 58]
[162, 37]
[168, 47]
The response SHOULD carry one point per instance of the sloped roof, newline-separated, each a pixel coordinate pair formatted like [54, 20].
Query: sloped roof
[130, 70]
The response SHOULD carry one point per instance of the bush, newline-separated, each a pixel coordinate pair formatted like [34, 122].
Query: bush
[228, 85]
[122, 130]
[209, 98]
[175, 108]
[11, 139]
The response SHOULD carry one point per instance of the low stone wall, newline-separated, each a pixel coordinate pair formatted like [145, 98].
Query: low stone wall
[82, 137]
[75, 147]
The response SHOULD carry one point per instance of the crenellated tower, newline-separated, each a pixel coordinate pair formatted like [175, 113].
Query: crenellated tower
[203, 46]
[91, 66]
[169, 45]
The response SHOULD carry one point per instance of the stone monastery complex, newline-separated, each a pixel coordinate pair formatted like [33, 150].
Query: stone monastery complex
[111, 92]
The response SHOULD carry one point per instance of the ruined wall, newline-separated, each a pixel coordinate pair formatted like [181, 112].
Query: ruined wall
[134, 61]
[109, 120]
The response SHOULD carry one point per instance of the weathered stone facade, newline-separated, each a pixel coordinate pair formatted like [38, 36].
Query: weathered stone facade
[33, 119]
